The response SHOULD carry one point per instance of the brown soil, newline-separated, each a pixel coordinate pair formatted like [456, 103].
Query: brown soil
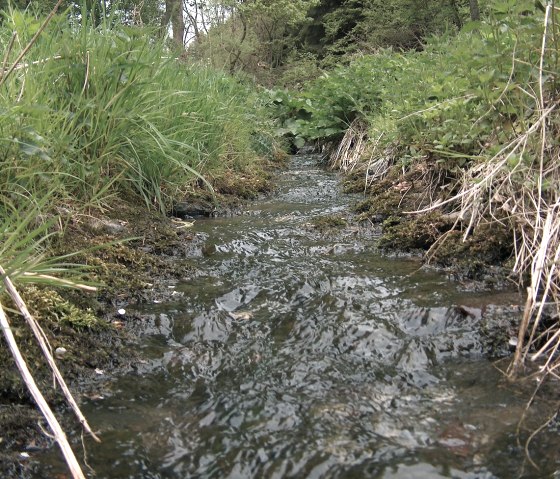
[437, 235]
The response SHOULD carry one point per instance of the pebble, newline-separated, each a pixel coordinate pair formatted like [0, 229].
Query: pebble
[244, 315]
[60, 352]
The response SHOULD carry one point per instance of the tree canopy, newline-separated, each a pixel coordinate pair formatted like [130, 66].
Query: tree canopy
[259, 37]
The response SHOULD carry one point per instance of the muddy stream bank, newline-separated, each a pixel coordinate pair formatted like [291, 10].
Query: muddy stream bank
[297, 350]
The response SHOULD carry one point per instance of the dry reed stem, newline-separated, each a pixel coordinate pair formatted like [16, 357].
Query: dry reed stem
[46, 349]
[58, 432]
[66, 282]
[351, 147]
[517, 358]
[86, 79]
[377, 168]
[437, 106]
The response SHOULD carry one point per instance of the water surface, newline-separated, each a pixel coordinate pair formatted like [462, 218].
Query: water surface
[300, 354]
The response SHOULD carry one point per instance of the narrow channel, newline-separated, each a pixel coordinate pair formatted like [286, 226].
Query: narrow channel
[302, 352]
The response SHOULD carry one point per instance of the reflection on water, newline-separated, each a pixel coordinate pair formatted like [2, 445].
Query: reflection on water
[295, 355]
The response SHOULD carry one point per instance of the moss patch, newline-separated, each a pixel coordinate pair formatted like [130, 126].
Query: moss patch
[89, 341]
[326, 223]
[490, 244]
[50, 303]
[247, 186]
[413, 233]
[390, 202]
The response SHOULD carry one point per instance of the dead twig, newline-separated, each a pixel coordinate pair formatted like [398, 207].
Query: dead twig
[517, 359]
[8, 51]
[22, 66]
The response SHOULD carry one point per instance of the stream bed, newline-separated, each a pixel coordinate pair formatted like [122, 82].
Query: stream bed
[296, 353]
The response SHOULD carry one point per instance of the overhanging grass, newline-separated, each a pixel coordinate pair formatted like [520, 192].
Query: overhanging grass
[107, 111]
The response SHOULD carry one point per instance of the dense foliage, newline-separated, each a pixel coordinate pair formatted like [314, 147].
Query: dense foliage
[92, 112]
[326, 108]
[455, 99]
[339, 28]
[280, 42]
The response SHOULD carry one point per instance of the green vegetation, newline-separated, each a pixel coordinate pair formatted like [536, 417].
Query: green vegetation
[329, 104]
[446, 102]
[283, 43]
[341, 29]
[99, 112]
[92, 115]
[252, 37]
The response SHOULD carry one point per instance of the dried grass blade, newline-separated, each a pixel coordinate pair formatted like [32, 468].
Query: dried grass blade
[59, 434]
[39, 335]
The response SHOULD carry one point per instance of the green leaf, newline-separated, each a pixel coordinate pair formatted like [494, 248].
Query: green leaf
[485, 77]
[29, 148]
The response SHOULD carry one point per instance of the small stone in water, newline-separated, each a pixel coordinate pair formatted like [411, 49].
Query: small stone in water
[245, 315]
[95, 397]
[60, 352]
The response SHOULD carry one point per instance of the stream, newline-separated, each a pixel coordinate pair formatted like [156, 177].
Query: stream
[296, 353]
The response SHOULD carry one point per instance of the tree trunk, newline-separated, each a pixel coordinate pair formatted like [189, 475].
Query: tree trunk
[178, 24]
[174, 12]
[475, 10]
[235, 60]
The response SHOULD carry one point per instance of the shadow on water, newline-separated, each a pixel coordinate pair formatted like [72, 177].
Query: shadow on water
[304, 355]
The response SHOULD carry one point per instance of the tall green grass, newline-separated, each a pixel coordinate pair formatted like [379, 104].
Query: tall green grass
[99, 112]
[93, 116]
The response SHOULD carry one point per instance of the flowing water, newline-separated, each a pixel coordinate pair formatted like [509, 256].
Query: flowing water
[299, 354]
